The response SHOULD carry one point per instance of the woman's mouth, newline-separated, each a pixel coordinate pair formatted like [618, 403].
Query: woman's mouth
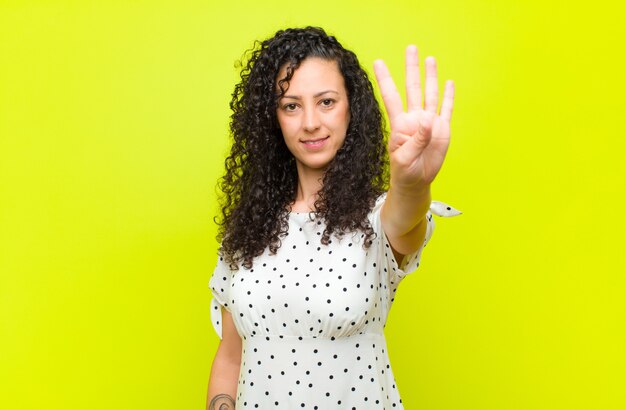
[315, 143]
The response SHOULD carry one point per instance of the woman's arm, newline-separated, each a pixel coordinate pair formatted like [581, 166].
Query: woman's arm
[222, 390]
[417, 148]
[403, 217]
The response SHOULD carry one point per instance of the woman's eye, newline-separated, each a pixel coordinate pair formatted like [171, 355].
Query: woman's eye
[327, 102]
[289, 107]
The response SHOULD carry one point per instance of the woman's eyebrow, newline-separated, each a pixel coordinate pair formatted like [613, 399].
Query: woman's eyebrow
[297, 97]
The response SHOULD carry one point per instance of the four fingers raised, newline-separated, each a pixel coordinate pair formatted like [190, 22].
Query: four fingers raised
[391, 96]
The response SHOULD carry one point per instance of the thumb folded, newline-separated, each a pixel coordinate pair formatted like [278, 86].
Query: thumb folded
[424, 130]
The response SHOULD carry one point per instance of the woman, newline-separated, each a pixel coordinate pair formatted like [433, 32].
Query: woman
[315, 238]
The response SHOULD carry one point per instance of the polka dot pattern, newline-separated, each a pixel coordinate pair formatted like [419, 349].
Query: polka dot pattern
[311, 319]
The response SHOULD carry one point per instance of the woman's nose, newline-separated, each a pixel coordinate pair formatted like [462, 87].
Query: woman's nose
[311, 120]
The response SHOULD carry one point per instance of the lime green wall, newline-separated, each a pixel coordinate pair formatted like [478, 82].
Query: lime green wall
[113, 119]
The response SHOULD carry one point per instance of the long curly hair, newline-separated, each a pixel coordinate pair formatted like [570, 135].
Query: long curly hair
[261, 179]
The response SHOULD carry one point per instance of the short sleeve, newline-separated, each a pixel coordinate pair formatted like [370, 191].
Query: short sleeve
[386, 258]
[219, 285]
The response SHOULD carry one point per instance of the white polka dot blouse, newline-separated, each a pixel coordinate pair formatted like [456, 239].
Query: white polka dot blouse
[311, 318]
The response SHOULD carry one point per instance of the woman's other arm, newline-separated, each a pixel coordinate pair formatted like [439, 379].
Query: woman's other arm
[417, 147]
[225, 369]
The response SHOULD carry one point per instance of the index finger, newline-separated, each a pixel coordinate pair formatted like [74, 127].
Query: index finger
[388, 90]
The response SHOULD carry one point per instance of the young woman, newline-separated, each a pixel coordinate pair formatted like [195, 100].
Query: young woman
[321, 220]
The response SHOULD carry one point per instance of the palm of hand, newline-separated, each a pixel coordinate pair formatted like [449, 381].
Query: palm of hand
[419, 136]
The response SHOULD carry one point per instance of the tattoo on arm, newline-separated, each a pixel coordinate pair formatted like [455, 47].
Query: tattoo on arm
[222, 402]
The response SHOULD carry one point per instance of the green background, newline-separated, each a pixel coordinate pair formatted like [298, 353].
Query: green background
[113, 131]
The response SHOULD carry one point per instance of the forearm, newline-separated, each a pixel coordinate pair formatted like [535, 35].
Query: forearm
[404, 217]
[222, 390]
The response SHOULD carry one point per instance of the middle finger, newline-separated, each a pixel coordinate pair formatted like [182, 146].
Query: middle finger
[413, 82]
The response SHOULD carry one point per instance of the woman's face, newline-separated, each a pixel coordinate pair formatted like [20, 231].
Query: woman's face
[314, 113]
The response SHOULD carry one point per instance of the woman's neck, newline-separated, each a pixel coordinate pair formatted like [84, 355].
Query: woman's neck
[309, 185]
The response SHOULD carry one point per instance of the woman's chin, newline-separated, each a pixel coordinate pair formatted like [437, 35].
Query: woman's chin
[318, 165]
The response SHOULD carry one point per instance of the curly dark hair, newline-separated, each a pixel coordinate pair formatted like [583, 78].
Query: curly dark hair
[261, 179]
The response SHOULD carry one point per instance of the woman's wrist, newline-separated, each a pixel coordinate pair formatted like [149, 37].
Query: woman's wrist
[406, 208]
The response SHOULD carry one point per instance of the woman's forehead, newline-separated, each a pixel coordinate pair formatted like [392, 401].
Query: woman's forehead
[313, 76]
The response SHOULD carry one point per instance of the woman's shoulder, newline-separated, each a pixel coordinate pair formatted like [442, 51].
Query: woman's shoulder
[378, 203]
[380, 199]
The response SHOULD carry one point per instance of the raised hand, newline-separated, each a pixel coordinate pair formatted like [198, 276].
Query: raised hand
[419, 136]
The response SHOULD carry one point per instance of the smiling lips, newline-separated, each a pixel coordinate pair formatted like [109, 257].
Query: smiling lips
[315, 143]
